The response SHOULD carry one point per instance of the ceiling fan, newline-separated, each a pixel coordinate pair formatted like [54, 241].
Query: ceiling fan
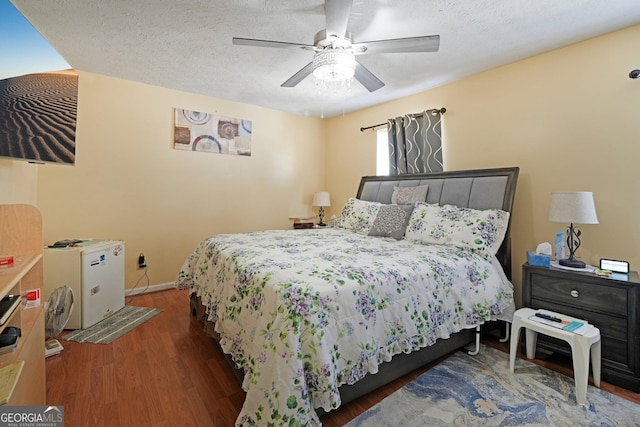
[335, 51]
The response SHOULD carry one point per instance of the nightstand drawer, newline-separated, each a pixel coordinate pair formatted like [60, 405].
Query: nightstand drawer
[612, 350]
[583, 294]
[610, 326]
[612, 304]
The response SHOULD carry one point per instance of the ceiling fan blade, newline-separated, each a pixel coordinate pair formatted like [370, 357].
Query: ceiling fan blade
[337, 16]
[269, 43]
[409, 44]
[299, 76]
[367, 78]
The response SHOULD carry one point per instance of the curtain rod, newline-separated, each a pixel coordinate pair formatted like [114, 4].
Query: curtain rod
[442, 111]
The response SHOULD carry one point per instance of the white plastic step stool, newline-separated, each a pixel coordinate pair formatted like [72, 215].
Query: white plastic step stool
[581, 347]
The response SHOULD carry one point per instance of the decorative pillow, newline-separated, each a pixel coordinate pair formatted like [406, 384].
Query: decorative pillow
[409, 195]
[481, 232]
[358, 215]
[391, 221]
[334, 222]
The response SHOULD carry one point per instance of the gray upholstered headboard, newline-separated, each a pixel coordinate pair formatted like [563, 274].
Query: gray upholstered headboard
[477, 189]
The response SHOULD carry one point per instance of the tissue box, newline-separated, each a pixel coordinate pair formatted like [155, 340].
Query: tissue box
[540, 260]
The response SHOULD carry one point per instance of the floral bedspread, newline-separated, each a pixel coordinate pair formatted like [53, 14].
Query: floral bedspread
[305, 311]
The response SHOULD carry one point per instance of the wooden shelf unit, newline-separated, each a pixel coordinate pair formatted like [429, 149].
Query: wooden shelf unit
[21, 236]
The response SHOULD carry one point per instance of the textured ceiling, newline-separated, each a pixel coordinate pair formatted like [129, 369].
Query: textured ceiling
[186, 45]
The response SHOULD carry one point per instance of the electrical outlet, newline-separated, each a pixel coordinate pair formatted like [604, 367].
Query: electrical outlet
[142, 262]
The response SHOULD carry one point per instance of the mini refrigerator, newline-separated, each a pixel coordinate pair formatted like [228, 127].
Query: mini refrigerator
[94, 270]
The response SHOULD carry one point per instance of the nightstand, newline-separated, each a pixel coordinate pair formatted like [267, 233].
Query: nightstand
[612, 304]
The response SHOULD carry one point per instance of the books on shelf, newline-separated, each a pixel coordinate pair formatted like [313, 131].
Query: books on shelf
[569, 325]
[8, 304]
[9, 375]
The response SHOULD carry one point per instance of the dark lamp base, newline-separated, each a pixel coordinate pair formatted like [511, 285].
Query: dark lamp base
[574, 263]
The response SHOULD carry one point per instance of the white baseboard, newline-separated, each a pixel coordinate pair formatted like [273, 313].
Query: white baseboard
[148, 289]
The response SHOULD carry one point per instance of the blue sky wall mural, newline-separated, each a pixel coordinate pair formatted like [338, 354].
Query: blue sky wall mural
[38, 94]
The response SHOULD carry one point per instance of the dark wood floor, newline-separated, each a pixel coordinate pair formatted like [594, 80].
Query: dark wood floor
[167, 372]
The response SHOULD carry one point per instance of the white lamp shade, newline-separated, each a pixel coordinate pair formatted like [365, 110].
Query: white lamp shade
[321, 198]
[573, 207]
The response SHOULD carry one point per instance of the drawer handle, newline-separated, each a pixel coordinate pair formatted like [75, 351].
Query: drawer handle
[575, 293]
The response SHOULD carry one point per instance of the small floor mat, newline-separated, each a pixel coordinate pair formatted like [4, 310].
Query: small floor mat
[114, 326]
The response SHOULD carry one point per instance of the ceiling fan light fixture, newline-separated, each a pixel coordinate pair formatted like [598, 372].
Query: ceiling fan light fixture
[334, 65]
[333, 69]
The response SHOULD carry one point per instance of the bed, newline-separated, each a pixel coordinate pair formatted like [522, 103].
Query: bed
[311, 319]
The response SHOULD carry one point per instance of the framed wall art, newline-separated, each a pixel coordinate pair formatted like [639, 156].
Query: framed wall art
[38, 95]
[196, 131]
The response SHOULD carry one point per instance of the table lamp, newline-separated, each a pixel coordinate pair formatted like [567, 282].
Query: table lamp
[321, 199]
[573, 207]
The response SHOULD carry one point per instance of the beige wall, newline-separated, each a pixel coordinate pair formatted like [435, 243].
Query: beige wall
[129, 183]
[568, 119]
[18, 182]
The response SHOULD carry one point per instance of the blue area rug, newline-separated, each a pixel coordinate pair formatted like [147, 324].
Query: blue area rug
[480, 390]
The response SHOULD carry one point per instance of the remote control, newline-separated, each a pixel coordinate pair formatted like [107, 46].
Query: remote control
[548, 317]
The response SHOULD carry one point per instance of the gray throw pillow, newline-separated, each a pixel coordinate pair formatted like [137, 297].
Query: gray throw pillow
[409, 195]
[391, 221]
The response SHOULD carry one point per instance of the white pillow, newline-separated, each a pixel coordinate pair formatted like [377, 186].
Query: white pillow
[409, 195]
[359, 215]
[481, 232]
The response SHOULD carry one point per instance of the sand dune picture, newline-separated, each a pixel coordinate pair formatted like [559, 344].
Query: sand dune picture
[38, 116]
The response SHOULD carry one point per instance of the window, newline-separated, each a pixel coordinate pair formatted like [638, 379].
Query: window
[382, 152]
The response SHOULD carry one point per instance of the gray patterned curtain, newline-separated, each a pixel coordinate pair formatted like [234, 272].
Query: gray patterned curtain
[415, 143]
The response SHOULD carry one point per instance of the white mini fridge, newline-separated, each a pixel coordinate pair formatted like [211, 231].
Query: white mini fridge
[94, 270]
